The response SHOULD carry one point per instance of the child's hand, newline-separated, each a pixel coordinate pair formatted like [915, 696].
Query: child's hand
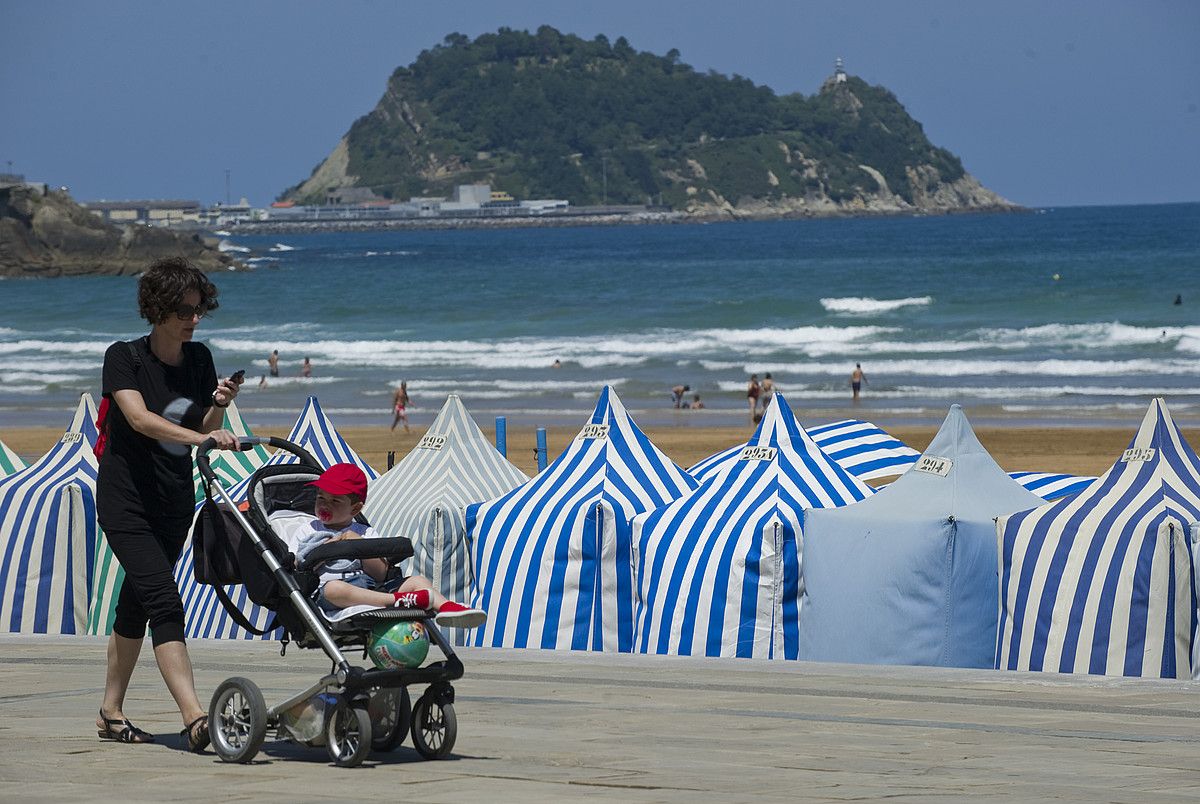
[344, 535]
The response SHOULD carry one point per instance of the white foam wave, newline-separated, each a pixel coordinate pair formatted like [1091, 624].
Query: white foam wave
[281, 247]
[968, 368]
[860, 305]
[227, 246]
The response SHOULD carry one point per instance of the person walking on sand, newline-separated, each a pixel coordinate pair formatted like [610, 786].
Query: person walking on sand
[767, 391]
[273, 362]
[306, 369]
[399, 404]
[857, 378]
[752, 392]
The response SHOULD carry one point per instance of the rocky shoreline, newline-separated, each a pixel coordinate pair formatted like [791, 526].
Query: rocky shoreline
[44, 233]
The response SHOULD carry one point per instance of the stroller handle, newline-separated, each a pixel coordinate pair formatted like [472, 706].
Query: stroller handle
[246, 443]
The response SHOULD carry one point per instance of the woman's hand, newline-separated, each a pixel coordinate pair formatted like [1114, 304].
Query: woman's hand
[227, 390]
[223, 438]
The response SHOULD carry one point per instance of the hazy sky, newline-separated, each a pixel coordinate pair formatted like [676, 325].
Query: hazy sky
[1048, 103]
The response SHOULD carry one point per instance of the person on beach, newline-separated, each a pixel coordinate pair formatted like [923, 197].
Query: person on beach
[556, 364]
[262, 381]
[752, 392]
[306, 369]
[857, 378]
[399, 403]
[696, 403]
[345, 582]
[164, 398]
[767, 391]
[677, 394]
[273, 362]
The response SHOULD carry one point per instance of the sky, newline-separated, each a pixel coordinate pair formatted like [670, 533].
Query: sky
[1048, 103]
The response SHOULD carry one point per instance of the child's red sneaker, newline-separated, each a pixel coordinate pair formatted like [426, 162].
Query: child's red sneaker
[420, 599]
[456, 615]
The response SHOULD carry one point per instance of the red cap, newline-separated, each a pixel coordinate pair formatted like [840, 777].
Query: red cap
[343, 478]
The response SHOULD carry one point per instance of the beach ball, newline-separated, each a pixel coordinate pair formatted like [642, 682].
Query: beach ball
[398, 645]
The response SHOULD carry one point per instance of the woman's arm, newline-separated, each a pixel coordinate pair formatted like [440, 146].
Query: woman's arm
[151, 425]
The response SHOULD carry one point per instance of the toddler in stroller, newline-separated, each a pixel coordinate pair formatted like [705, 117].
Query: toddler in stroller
[352, 709]
[345, 582]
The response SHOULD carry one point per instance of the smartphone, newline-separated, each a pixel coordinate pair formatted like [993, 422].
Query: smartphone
[238, 375]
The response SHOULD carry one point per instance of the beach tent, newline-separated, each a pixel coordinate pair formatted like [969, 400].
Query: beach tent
[909, 575]
[719, 570]
[1051, 485]
[424, 497]
[10, 462]
[1102, 582]
[205, 617]
[552, 558]
[48, 534]
[230, 467]
[861, 448]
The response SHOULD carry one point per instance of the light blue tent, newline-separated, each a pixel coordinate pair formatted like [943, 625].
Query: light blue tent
[48, 534]
[1104, 582]
[553, 559]
[719, 570]
[424, 497]
[205, 617]
[909, 576]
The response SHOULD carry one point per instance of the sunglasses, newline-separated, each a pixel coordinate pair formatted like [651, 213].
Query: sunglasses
[186, 312]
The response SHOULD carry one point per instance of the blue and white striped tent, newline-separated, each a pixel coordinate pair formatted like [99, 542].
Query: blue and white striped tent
[424, 497]
[205, 616]
[1051, 485]
[909, 576]
[230, 467]
[719, 570]
[1102, 582]
[861, 448]
[48, 534]
[553, 563]
[10, 462]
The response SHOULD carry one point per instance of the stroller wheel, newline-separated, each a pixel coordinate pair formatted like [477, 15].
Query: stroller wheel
[391, 716]
[348, 734]
[434, 727]
[237, 720]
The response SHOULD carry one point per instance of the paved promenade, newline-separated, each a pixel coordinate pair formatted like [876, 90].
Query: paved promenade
[537, 726]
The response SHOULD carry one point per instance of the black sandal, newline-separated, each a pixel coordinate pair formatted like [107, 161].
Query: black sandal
[129, 733]
[197, 738]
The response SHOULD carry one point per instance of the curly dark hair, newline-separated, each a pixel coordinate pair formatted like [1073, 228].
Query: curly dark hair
[164, 284]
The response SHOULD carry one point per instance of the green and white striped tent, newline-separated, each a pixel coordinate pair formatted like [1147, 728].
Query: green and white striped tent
[230, 467]
[10, 462]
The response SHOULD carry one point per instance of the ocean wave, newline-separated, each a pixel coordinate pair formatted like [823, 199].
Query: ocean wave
[858, 305]
[968, 368]
[282, 247]
[825, 391]
[228, 247]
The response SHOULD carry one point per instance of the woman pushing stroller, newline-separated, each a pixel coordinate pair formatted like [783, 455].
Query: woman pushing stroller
[341, 492]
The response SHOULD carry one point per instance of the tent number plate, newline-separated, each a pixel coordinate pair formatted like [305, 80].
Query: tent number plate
[71, 438]
[593, 431]
[758, 454]
[1136, 454]
[431, 442]
[933, 465]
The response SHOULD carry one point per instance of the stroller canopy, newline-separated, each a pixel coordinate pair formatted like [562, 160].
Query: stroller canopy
[552, 557]
[425, 495]
[1102, 582]
[718, 570]
[909, 575]
[48, 534]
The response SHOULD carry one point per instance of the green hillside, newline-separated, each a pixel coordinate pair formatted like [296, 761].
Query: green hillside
[551, 115]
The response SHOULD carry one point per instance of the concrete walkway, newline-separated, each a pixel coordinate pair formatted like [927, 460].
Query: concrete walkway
[536, 726]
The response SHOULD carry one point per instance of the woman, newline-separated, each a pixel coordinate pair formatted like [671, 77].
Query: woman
[164, 398]
[399, 405]
[752, 391]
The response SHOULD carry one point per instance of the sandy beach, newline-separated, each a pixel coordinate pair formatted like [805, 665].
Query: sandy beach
[1072, 450]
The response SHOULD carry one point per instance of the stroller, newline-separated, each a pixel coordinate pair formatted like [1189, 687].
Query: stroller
[352, 709]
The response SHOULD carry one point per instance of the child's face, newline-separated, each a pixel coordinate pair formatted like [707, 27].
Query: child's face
[336, 510]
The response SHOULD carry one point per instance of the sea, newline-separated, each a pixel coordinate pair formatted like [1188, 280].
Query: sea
[1064, 316]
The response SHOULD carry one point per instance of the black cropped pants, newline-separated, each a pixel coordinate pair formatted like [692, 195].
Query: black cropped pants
[148, 551]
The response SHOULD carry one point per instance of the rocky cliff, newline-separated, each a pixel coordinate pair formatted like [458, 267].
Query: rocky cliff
[49, 235]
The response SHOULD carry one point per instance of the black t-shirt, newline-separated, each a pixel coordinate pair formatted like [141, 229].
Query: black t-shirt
[142, 476]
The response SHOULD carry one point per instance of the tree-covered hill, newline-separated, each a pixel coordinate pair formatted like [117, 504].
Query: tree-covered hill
[551, 115]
